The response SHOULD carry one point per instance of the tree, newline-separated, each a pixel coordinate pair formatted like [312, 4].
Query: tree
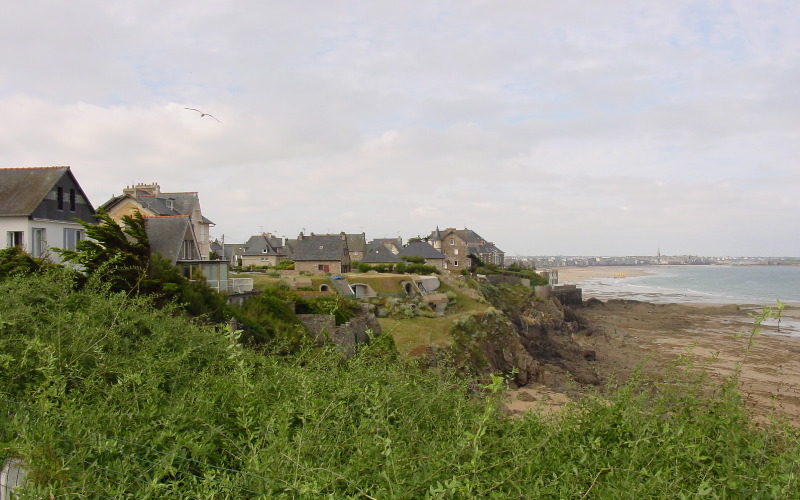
[121, 255]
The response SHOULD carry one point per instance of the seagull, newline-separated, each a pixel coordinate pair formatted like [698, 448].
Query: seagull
[202, 114]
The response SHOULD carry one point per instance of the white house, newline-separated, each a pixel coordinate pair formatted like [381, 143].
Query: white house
[38, 210]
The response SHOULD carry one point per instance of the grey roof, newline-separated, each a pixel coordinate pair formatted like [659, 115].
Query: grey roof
[167, 234]
[321, 247]
[163, 203]
[475, 243]
[376, 253]
[395, 242]
[22, 189]
[421, 249]
[263, 244]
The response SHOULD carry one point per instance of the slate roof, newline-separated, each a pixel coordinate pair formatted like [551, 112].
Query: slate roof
[262, 244]
[319, 247]
[22, 189]
[475, 243]
[376, 253]
[166, 235]
[181, 203]
[392, 242]
[421, 249]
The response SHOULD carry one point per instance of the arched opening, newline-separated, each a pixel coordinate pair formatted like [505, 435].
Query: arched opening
[324, 288]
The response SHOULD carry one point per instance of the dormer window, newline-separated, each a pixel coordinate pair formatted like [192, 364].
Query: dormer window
[171, 204]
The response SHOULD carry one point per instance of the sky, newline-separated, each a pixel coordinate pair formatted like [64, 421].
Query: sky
[549, 128]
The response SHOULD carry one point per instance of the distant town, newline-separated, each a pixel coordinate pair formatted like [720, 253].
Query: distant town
[550, 261]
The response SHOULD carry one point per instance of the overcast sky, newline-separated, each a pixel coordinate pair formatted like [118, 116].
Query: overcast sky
[572, 127]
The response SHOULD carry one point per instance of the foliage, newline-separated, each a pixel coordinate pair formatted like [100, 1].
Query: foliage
[121, 254]
[14, 260]
[415, 259]
[104, 395]
[269, 318]
[411, 267]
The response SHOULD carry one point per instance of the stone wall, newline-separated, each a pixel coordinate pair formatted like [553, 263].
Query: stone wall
[359, 330]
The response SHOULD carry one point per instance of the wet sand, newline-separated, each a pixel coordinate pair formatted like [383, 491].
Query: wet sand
[627, 334]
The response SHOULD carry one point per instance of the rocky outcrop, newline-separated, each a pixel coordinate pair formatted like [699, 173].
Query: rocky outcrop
[526, 338]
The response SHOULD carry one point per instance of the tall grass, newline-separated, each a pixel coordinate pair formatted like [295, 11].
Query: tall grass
[105, 396]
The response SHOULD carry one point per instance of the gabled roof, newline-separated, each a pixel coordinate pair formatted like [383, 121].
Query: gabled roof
[319, 247]
[264, 244]
[23, 189]
[475, 243]
[181, 203]
[389, 242]
[377, 253]
[167, 233]
[421, 249]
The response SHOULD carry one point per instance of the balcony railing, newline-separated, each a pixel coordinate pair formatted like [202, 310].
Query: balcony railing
[232, 285]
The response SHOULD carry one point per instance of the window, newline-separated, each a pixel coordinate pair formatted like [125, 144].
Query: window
[15, 239]
[38, 241]
[72, 203]
[320, 267]
[455, 251]
[455, 263]
[452, 241]
[186, 250]
[71, 238]
[60, 198]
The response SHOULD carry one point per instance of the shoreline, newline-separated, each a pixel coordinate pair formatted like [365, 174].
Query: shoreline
[631, 334]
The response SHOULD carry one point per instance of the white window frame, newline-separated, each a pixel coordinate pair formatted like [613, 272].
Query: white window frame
[15, 238]
[71, 238]
[38, 241]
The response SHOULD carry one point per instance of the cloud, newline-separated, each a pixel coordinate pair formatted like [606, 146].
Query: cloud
[611, 128]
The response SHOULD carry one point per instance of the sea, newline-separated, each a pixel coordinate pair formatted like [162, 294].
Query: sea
[719, 284]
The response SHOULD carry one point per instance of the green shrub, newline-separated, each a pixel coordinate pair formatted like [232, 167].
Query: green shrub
[105, 396]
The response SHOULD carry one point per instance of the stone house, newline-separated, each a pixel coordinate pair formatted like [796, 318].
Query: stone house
[462, 248]
[265, 250]
[357, 245]
[321, 253]
[38, 208]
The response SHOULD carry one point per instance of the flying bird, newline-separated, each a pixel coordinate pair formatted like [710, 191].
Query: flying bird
[202, 114]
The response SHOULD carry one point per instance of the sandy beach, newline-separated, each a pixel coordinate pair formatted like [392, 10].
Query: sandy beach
[576, 274]
[626, 334]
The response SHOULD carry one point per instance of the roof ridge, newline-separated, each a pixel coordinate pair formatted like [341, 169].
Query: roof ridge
[34, 168]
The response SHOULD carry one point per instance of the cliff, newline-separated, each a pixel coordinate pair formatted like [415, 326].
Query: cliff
[529, 339]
